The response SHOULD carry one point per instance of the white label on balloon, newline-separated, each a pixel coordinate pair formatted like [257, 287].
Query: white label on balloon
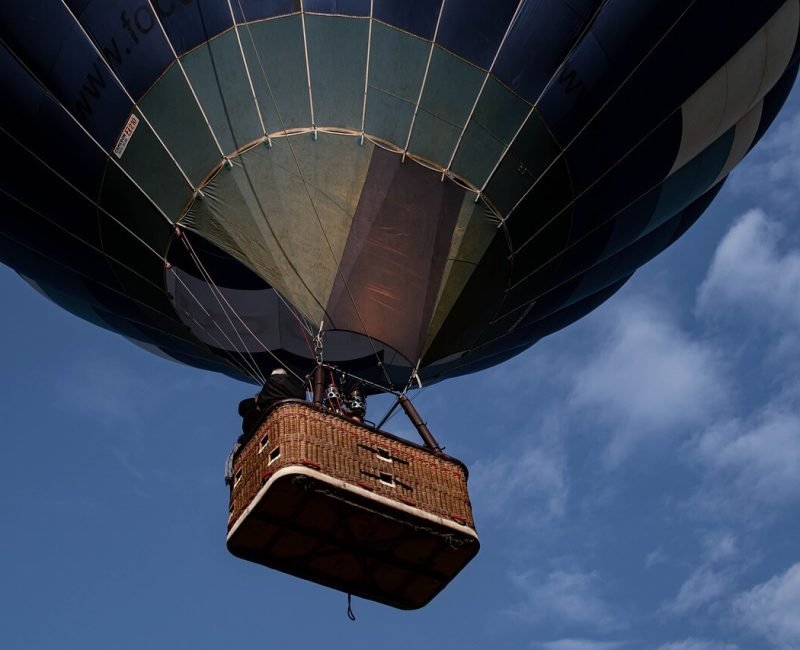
[127, 134]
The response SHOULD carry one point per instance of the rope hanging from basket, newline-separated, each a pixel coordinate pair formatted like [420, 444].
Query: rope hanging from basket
[350, 614]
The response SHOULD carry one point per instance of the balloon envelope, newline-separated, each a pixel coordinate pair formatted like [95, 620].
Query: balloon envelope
[437, 184]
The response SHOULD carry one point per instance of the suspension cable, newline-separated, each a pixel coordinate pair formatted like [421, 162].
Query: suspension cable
[539, 98]
[219, 294]
[101, 209]
[313, 204]
[608, 100]
[215, 291]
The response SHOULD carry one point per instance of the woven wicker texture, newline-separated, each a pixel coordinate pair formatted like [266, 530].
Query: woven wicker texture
[296, 433]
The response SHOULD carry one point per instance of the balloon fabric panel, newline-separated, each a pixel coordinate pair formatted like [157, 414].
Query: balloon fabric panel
[508, 169]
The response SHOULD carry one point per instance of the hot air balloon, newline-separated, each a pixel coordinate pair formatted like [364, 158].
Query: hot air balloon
[408, 189]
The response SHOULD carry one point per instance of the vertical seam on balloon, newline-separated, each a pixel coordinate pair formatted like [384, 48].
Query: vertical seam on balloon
[95, 203]
[130, 97]
[336, 261]
[288, 142]
[366, 75]
[263, 71]
[247, 72]
[588, 189]
[535, 104]
[186, 77]
[598, 225]
[612, 216]
[103, 252]
[69, 232]
[308, 69]
[230, 357]
[217, 293]
[207, 274]
[599, 110]
[102, 209]
[424, 79]
[49, 93]
[483, 86]
[251, 371]
[110, 157]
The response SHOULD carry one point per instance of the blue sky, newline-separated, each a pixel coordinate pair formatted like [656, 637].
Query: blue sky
[636, 477]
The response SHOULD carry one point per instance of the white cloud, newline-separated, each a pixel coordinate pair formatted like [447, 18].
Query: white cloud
[648, 378]
[697, 644]
[658, 556]
[761, 459]
[701, 589]
[771, 609]
[103, 390]
[580, 644]
[530, 478]
[563, 597]
[772, 170]
[720, 546]
[750, 278]
[753, 284]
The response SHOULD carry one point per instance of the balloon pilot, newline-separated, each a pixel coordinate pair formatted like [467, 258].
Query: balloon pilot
[280, 385]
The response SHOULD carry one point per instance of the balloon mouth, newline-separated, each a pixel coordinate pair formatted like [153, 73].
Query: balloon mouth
[324, 234]
[230, 308]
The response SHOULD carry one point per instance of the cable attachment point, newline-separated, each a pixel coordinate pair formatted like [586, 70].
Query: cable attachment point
[228, 163]
[350, 614]
[318, 346]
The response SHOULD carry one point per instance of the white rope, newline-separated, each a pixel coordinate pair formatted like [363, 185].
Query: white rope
[217, 293]
[85, 242]
[104, 211]
[424, 79]
[98, 282]
[130, 98]
[244, 370]
[95, 203]
[366, 74]
[85, 196]
[535, 104]
[285, 133]
[85, 131]
[186, 77]
[216, 289]
[600, 110]
[314, 207]
[308, 69]
[597, 226]
[247, 71]
[483, 86]
[253, 371]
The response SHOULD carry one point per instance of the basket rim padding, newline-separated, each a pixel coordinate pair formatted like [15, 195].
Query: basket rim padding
[354, 489]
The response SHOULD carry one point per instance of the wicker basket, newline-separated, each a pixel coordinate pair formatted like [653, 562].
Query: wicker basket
[329, 500]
